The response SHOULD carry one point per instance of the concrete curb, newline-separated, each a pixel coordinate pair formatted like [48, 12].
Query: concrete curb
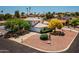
[52, 51]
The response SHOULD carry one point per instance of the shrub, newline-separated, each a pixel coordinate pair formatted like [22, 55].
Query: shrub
[58, 33]
[44, 37]
[45, 30]
[62, 34]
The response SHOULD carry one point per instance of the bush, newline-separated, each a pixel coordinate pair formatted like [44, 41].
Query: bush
[45, 30]
[58, 33]
[62, 34]
[44, 37]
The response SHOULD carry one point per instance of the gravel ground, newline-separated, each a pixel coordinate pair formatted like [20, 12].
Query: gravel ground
[8, 46]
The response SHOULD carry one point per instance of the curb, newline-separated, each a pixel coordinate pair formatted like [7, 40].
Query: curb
[51, 51]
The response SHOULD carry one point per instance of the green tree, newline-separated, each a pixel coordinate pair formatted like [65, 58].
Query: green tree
[67, 22]
[2, 11]
[74, 22]
[8, 16]
[2, 16]
[77, 13]
[17, 14]
[49, 15]
[17, 25]
[22, 13]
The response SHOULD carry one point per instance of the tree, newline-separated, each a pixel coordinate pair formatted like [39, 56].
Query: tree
[55, 23]
[2, 11]
[77, 13]
[8, 16]
[16, 25]
[67, 22]
[22, 14]
[74, 22]
[17, 14]
[2, 16]
[73, 14]
[49, 15]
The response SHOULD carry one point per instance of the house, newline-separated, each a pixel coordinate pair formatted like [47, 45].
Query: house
[37, 24]
[38, 27]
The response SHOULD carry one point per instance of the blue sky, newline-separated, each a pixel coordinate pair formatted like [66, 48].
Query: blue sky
[41, 9]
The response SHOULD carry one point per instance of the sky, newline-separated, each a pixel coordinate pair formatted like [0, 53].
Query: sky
[39, 9]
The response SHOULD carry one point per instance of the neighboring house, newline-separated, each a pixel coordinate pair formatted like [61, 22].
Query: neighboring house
[2, 21]
[38, 27]
[66, 18]
[37, 24]
[34, 19]
[23, 16]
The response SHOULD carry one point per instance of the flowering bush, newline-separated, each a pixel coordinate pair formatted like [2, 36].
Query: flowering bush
[55, 23]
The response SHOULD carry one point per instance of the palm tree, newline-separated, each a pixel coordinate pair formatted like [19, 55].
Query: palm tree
[27, 11]
[1, 11]
[1, 15]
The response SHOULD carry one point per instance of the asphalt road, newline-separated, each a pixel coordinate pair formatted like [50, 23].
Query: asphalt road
[8, 46]
[74, 48]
